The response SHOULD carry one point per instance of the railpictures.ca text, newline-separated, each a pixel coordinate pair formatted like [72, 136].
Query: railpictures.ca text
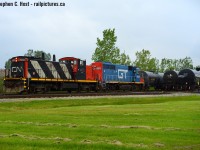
[27, 4]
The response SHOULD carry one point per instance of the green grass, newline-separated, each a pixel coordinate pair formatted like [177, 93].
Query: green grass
[107, 123]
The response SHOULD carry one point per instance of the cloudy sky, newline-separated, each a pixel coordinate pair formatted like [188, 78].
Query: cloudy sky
[168, 28]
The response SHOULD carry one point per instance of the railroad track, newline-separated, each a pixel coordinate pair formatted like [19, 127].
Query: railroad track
[52, 95]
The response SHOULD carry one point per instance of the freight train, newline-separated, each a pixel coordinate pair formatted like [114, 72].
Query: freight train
[31, 75]
[185, 80]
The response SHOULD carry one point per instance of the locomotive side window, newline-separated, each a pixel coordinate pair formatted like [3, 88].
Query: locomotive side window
[137, 71]
[81, 63]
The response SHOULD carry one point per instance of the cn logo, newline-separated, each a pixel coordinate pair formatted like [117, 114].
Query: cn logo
[16, 69]
[122, 73]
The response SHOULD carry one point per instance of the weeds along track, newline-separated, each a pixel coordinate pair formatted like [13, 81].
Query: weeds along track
[74, 94]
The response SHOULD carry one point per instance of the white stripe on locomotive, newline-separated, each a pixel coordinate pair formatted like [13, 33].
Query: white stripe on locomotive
[66, 71]
[53, 70]
[38, 68]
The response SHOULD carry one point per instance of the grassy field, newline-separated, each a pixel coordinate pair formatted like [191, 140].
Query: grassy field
[107, 123]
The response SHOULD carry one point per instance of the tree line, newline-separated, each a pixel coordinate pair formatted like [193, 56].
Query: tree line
[107, 51]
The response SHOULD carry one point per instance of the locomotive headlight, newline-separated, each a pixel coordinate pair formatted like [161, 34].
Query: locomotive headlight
[15, 59]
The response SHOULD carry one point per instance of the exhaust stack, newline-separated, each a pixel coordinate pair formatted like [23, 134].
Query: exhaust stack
[43, 56]
[54, 57]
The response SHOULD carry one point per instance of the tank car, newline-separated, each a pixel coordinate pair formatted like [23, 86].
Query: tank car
[189, 79]
[152, 80]
[170, 79]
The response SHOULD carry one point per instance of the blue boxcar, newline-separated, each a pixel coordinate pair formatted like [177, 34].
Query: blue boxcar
[120, 73]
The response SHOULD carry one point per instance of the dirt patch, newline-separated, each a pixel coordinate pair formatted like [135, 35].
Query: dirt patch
[72, 125]
[16, 135]
[136, 127]
[32, 137]
[189, 147]
[104, 126]
[172, 129]
[41, 124]
[159, 145]
[3, 136]
[141, 145]
[116, 142]
[86, 141]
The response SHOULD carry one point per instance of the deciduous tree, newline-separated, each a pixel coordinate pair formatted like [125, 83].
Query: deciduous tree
[175, 64]
[38, 54]
[7, 64]
[198, 68]
[125, 59]
[145, 62]
[107, 51]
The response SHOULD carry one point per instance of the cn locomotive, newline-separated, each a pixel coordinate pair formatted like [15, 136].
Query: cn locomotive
[31, 75]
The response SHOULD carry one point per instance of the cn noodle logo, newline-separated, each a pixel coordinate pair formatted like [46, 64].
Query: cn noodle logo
[16, 69]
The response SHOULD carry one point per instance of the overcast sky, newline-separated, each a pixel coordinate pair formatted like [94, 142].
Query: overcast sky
[168, 28]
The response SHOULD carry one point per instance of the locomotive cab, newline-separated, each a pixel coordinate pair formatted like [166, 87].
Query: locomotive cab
[15, 77]
[18, 68]
[78, 67]
[137, 77]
